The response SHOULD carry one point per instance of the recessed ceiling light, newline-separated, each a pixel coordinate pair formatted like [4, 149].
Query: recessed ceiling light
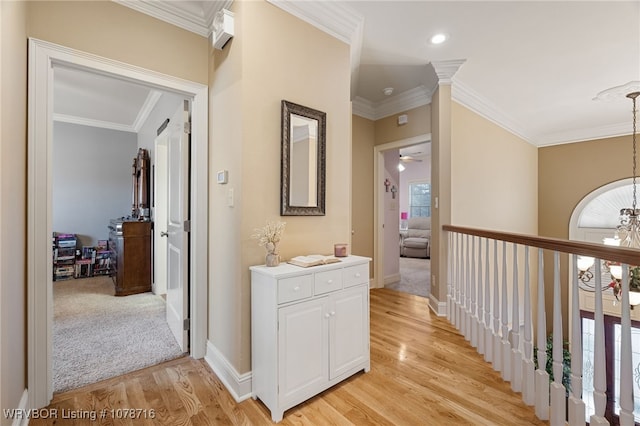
[439, 38]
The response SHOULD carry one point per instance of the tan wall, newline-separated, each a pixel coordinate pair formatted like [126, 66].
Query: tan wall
[363, 137]
[566, 174]
[108, 29]
[494, 176]
[274, 56]
[388, 130]
[13, 202]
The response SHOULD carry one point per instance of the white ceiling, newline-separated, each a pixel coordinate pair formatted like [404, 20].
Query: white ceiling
[532, 67]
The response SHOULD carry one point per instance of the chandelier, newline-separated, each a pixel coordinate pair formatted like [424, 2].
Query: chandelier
[628, 231]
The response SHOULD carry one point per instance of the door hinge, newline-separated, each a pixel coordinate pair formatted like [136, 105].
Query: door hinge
[187, 324]
[187, 127]
[187, 226]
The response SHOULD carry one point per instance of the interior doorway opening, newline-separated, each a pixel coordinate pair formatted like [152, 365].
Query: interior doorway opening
[391, 202]
[43, 58]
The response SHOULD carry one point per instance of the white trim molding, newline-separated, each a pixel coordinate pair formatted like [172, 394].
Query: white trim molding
[238, 385]
[42, 58]
[439, 308]
[196, 17]
[412, 98]
[445, 70]
[393, 278]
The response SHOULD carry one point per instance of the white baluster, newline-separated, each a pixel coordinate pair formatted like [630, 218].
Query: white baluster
[505, 346]
[516, 354]
[488, 335]
[576, 405]
[463, 287]
[458, 281]
[449, 276]
[599, 357]
[473, 316]
[467, 290]
[497, 343]
[528, 368]
[542, 377]
[626, 366]
[558, 392]
[479, 319]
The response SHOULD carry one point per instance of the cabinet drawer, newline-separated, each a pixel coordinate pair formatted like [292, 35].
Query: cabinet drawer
[354, 275]
[327, 281]
[295, 288]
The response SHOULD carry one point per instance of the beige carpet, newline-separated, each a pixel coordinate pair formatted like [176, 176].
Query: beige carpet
[98, 336]
[415, 277]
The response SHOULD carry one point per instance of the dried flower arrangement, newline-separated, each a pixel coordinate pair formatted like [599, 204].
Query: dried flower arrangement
[269, 236]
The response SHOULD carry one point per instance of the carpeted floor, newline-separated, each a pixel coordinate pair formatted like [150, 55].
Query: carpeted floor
[415, 277]
[97, 335]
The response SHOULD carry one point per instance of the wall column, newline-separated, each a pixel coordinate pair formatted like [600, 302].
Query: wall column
[441, 179]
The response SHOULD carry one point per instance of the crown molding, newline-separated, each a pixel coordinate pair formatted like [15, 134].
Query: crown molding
[476, 103]
[149, 104]
[584, 134]
[401, 102]
[72, 119]
[334, 18]
[199, 22]
[445, 70]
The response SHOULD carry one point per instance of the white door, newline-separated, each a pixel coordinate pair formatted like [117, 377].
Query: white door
[177, 225]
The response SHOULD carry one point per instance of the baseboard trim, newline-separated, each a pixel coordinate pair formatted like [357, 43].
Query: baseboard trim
[22, 408]
[238, 385]
[390, 279]
[439, 308]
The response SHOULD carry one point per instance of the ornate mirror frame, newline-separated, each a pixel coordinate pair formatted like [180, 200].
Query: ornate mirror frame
[288, 207]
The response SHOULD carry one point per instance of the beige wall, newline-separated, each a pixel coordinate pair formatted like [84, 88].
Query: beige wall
[494, 176]
[13, 151]
[387, 129]
[363, 137]
[108, 29]
[566, 174]
[273, 56]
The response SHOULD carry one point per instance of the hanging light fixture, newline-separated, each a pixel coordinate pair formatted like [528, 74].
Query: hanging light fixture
[628, 231]
[629, 227]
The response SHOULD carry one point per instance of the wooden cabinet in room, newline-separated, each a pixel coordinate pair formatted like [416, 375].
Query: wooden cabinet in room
[309, 329]
[130, 247]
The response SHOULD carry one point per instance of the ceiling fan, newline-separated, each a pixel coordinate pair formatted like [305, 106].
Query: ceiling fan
[409, 158]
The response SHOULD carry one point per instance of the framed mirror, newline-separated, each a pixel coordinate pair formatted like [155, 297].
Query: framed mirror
[303, 161]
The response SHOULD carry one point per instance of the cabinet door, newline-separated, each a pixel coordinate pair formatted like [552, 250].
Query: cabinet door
[349, 330]
[303, 336]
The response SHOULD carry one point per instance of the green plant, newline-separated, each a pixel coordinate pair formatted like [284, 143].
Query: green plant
[566, 362]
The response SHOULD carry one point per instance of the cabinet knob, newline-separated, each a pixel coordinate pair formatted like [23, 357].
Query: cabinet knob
[296, 288]
[357, 274]
[333, 313]
[326, 315]
[329, 281]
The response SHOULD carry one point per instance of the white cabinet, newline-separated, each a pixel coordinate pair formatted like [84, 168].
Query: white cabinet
[309, 329]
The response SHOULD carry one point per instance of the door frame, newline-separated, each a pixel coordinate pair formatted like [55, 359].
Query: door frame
[43, 56]
[378, 197]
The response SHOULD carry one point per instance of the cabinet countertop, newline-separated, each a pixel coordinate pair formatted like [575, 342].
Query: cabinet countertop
[286, 269]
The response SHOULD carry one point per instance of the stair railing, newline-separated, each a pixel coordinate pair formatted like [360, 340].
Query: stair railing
[494, 311]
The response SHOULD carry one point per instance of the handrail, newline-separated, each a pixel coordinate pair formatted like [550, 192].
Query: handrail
[626, 255]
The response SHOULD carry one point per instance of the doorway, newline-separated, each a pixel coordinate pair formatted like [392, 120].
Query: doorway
[43, 57]
[387, 214]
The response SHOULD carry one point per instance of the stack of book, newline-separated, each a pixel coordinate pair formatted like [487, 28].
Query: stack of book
[64, 256]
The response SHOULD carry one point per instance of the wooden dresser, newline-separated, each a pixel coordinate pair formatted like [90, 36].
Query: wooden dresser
[130, 246]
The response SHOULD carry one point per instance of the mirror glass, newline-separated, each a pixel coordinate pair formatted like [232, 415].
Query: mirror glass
[303, 145]
[303, 160]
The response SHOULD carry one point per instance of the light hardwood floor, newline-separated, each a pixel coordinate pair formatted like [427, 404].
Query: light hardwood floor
[423, 372]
